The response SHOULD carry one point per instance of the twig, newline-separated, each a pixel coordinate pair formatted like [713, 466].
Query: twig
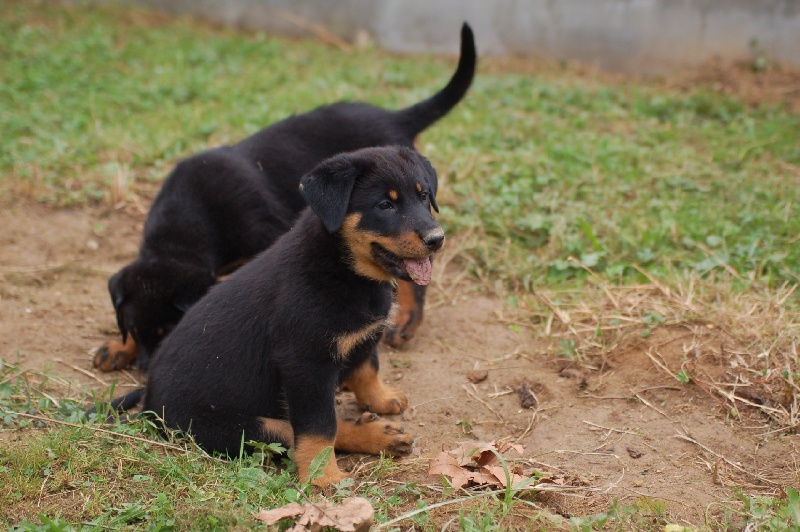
[661, 365]
[627, 397]
[562, 316]
[688, 438]
[645, 401]
[110, 432]
[316, 29]
[530, 424]
[484, 403]
[614, 484]
[610, 428]
[81, 370]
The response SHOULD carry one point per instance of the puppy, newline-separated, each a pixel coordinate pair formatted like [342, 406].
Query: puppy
[261, 355]
[218, 209]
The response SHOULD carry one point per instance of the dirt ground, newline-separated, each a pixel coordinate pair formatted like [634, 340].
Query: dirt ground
[624, 431]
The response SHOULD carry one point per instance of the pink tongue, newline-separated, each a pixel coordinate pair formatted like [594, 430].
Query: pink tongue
[419, 270]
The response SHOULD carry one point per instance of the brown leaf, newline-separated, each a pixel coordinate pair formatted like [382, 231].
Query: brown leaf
[476, 463]
[444, 464]
[354, 514]
[500, 474]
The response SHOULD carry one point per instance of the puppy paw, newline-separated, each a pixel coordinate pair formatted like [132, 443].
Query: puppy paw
[372, 435]
[383, 399]
[113, 356]
[388, 437]
[328, 478]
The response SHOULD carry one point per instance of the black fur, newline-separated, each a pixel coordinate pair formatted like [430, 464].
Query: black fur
[218, 209]
[263, 344]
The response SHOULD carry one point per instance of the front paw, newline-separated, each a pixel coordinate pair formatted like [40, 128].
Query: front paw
[384, 400]
[113, 356]
[373, 435]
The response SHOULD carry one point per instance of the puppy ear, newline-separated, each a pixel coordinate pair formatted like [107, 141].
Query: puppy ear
[117, 293]
[116, 290]
[432, 180]
[327, 189]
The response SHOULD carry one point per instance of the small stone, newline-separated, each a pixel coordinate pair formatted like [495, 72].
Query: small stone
[478, 375]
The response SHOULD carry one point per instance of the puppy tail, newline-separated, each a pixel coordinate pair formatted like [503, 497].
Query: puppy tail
[421, 115]
[122, 403]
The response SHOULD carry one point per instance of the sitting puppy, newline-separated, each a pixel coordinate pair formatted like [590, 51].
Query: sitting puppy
[218, 209]
[261, 355]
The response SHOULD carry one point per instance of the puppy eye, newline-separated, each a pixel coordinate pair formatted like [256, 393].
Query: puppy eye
[385, 204]
[424, 195]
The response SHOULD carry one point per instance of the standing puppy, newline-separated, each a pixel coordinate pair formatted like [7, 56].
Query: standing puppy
[218, 209]
[260, 356]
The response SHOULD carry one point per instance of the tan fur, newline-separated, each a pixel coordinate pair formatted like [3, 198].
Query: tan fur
[394, 195]
[280, 428]
[307, 447]
[370, 435]
[372, 394]
[107, 359]
[360, 242]
[348, 341]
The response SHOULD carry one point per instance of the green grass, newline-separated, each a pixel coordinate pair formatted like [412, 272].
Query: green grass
[543, 167]
[543, 176]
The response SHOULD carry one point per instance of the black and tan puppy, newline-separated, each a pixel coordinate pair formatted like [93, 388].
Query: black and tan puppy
[218, 209]
[261, 355]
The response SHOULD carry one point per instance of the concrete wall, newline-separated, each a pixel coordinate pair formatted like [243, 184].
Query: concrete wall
[649, 36]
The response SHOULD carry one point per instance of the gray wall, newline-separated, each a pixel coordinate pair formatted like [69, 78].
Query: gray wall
[650, 36]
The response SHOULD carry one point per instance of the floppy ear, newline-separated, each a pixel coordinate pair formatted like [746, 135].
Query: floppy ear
[117, 292]
[432, 180]
[327, 189]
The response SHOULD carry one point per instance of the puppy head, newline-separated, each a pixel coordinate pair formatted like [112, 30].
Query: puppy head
[379, 200]
[150, 297]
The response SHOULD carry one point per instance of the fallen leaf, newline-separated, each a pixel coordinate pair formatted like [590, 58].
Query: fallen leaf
[478, 464]
[353, 514]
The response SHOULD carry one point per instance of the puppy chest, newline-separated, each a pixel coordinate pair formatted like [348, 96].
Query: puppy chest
[345, 342]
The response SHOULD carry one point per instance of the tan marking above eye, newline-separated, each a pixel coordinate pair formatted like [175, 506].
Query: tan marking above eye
[419, 187]
[394, 195]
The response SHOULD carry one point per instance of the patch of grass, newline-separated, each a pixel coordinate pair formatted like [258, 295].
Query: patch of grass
[551, 175]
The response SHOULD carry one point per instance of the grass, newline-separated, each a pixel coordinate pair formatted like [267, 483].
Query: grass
[556, 190]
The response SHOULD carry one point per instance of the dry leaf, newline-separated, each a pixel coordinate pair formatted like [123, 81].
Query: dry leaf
[353, 514]
[477, 464]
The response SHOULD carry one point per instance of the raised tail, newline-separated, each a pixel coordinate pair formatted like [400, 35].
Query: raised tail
[421, 115]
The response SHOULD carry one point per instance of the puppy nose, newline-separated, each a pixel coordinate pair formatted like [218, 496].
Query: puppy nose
[434, 239]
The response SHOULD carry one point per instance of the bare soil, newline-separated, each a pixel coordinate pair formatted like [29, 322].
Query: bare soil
[626, 430]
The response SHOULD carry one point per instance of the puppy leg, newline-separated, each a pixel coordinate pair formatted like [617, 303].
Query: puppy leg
[372, 394]
[410, 302]
[115, 355]
[372, 435]
[307, 446]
